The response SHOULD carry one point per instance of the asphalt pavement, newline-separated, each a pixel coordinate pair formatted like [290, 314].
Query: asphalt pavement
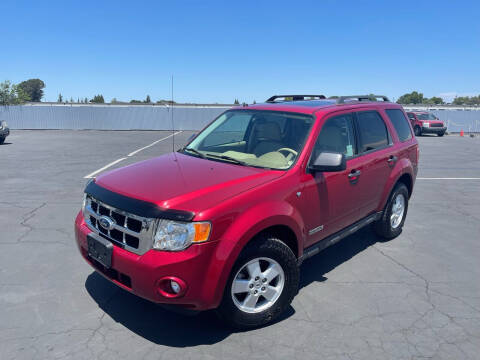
[415, 297]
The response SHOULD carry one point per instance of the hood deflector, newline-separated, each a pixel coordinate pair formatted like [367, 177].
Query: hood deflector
[135, 206]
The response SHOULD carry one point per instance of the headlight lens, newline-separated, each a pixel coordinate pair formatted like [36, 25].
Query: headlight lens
[84, 204]
[426, 124]
[177, 236]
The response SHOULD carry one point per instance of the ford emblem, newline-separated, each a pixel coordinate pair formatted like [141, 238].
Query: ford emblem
[106, 223]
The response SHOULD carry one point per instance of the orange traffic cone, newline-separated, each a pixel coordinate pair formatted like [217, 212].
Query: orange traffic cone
[461, 132]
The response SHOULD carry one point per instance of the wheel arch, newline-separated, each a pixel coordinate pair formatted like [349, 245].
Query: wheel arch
[284, 222]
[403, 172]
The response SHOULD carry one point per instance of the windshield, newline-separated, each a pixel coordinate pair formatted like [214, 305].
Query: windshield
[427, 116]
[267, 139]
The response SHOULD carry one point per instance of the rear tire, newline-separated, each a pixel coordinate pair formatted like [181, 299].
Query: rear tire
[2, 140]
[417, 130]
[391, 223]
[245, 307]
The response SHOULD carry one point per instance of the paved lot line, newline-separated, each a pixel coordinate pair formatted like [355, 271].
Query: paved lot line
[155, 142]
[91, 175]
[448, 178]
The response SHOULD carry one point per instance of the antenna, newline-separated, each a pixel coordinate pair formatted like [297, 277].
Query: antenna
[173, 124]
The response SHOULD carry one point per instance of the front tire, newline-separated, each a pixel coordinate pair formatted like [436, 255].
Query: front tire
[391, 223]
[417, 130]
[261, 285]
[441, 134]
[2, 140]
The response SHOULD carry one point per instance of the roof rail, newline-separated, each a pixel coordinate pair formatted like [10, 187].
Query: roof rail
[371, 97]
[295, 97]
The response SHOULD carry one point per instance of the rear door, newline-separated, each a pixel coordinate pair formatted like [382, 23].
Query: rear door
[375, 159]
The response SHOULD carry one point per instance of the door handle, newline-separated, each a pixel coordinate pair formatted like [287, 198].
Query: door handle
[392, 160]
[353, 176]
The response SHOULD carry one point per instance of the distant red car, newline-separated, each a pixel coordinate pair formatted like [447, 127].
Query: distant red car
[226, 221]
[424, 122]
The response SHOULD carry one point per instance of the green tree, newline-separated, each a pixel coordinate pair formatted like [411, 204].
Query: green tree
[434, 100]
[71, 99]
[148, 100]
[135, 101]
[33, 88]
[114, 101]
[467, 100]
[412, 98]
[98, 99]
[85, 100]
[11, 94]
[60, 98]
[236, 102]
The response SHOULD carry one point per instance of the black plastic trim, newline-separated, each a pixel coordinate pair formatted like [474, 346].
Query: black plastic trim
[334, 238]
[135, 206]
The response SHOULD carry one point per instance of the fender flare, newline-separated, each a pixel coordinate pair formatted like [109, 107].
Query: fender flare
[402, 167]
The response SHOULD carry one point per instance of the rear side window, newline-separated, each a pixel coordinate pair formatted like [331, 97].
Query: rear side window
[372, 130]
[400, 123]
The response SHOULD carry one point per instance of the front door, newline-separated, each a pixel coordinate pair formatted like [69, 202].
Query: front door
[330, 198]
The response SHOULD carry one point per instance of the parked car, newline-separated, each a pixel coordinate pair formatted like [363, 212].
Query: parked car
[225, 222]
[424, 122]
[4, 131]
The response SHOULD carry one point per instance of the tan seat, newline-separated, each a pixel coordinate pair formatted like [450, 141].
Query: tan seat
[267, 137]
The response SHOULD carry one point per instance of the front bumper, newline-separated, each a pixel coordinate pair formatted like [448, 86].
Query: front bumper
[433, 130]
[139, 274]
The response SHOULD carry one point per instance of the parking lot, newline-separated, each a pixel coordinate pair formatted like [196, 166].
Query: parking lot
[415, 297]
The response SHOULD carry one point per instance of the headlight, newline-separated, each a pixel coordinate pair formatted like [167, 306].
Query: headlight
[177, 236]
[3, 124]
[84, 204]
[426, 124]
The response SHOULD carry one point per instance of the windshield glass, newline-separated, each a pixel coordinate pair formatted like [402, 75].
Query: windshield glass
[267, 139]
[428, 116]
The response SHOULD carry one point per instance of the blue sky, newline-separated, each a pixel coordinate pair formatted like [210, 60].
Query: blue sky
[219, 50]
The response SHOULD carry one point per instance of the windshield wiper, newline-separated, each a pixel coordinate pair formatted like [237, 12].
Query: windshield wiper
[194, 151]
[225, 157]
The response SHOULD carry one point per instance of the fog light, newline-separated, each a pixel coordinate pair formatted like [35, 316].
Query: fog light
[175, 286]
[171, 287]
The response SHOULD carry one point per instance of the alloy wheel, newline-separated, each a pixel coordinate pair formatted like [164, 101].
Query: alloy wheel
[258, 285]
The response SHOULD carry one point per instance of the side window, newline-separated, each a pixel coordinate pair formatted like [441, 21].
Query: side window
[400, 123]
[411, 116]
[372, 131]
[336, 136]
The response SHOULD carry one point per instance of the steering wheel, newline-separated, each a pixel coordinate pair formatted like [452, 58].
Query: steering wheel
[291, 152]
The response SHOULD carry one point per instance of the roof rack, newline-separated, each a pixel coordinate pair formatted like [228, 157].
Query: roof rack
[371, 97]
[295, 97]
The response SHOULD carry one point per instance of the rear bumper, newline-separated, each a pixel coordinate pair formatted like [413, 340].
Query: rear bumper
[433, 130]
[140, 274]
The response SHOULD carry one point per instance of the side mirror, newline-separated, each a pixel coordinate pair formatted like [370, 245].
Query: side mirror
[328, 162]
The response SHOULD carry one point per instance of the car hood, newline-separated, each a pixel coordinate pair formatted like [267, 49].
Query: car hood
[183, 182]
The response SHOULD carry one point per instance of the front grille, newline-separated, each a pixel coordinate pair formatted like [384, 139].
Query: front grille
[131, 232]
[436, 125]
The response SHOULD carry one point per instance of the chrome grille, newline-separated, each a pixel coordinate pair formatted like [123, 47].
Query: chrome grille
[436, 125]
[131, 232]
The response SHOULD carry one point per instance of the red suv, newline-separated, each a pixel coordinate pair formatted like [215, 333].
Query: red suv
[226, 221]
[424, 122]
